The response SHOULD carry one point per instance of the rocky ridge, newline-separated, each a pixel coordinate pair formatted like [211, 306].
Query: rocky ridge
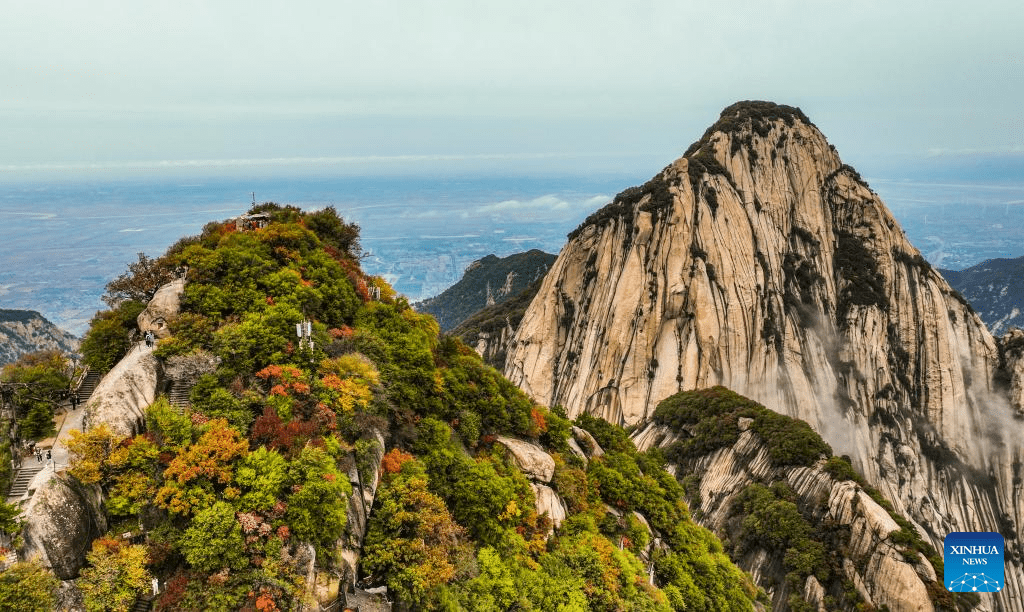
[27, 331]
[486, 282]
[490, 330]
[995, 288]
[761, 262]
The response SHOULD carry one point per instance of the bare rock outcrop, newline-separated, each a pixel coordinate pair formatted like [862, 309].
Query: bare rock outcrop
[165, 305]
[587, 442]
[364, 476]
[530, 458]
[548, 502]
[759, 261]
[863, 530]
[122, 396]
[492, 346]
[1011, 347]
[61, 520]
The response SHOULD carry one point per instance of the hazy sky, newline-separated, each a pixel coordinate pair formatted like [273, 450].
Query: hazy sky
[517, 84]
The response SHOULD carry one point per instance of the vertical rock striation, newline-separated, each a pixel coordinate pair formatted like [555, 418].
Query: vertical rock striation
[759, 261]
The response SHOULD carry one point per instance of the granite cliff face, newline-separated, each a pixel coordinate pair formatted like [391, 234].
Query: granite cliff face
[806, 526]
[759, 261]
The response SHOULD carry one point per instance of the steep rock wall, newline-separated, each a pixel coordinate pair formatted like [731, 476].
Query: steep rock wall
[493, 346]
[760, 262]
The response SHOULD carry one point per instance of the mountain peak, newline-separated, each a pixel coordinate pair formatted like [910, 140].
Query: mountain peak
[749, 139]
[750, 116]
[761, 262]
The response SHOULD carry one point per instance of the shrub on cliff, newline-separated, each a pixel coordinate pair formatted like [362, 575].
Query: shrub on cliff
[110, 335]
[713, 417]
[27, 587]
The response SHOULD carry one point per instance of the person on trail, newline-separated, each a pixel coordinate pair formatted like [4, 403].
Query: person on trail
[149, 339]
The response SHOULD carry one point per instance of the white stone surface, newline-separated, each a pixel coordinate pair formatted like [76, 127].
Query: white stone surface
[530, 458]
[165, 305]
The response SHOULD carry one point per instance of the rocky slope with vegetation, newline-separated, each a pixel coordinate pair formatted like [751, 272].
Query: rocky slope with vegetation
[995, 289]
[808, 527]
[761, 262]
[486, 282]
[372, 454]
[27, 331]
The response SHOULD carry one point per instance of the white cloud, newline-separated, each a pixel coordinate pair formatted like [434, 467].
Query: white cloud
[545, 203]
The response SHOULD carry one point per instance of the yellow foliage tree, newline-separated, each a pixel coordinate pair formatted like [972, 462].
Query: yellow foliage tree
[89, 451]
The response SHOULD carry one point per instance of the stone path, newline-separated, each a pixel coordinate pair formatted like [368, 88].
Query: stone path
[72, 419]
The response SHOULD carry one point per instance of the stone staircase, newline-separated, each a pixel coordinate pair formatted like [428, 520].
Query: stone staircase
[178, 395]
[23, 477]
[88, 385]
[143, 603]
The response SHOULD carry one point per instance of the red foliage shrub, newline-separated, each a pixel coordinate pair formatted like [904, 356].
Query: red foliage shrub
[340, 332]
[173, 593]
[538, 420]
[393, 461]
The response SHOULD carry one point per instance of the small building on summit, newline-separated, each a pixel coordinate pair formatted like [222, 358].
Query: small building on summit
[252, 221]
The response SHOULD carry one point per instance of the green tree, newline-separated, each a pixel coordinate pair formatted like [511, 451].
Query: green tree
[115, 575]
[89, 451]
[27, 587]
[110, 335]
[317, 509]
[214, 540]
[333, 231]
[412, 542]
[40, 381]
[261, 475]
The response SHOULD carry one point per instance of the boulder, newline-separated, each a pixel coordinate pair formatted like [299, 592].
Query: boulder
[548, 502]
[530, 458]
[121, 398]
[165, 305]
[587, 441]
[62, 519]
[577, 450]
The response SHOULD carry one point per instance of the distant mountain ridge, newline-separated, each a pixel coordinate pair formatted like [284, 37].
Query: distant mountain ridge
[27, 331]
[490, 329]
[486, 282]
[995, 288]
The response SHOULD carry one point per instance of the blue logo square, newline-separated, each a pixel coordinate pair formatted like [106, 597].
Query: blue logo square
[973, 562]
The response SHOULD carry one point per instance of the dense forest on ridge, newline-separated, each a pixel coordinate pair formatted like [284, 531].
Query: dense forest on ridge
[229, 491]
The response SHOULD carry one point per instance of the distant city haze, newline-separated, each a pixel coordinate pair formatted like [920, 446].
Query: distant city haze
[62, 241]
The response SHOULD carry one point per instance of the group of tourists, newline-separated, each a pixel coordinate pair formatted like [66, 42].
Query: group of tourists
[38, 452]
